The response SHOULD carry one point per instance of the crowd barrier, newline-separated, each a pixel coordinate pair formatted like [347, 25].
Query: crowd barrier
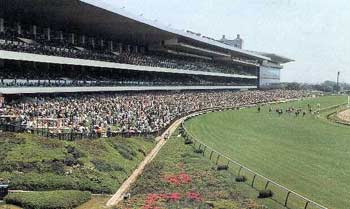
[71, 135]
[286, 197]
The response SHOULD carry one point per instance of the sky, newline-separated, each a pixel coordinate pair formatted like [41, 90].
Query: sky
[314, 33]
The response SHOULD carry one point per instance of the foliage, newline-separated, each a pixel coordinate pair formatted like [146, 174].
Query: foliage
[265, 193]
[48, 200]
[180, 178]
[40, 164]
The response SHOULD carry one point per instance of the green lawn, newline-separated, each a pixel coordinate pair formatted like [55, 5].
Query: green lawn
[306, 154]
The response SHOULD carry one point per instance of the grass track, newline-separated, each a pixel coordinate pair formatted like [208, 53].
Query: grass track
[308, 155]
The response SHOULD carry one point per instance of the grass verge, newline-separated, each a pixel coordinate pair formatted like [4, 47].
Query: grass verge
[180, 178]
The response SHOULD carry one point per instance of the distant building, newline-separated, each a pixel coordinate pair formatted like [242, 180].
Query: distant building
[237, 42]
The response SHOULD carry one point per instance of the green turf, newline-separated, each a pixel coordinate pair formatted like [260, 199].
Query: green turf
[308, 155]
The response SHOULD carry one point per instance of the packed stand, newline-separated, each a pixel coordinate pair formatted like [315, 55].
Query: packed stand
[58, 76]
[127, 113]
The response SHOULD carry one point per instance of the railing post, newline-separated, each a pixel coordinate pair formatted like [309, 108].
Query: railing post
[267, 184]
[217, 159]
[306, 204]
[204, 150]
[228, 162]
[286, 201]
[211, 154]
[239, 171]
[253, 180]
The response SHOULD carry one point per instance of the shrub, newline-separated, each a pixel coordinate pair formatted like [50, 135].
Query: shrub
[42, 182]
[241, 179]
[106, 167]
[199, 151]
[142, 152]
[124, 150]
[188, 141]
[70, 161]
[74, 152]
[222, 167]
[265, 193]
[48, 200]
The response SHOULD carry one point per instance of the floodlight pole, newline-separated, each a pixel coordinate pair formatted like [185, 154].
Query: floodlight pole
[338, 89]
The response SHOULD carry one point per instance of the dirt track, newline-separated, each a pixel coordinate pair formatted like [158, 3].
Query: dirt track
[344, 115]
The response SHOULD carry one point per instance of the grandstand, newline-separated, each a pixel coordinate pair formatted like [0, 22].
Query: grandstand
[78, 46]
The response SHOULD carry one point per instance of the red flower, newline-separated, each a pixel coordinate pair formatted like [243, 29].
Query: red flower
[151, 201]
[182, 178]
[193, 196]
[174, 196]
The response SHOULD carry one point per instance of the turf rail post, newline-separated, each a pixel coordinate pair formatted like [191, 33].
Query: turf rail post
[211, 154]
[267, 184]
[286, 201]
[239, 171]
[306, 204]
[217, 159]
[253, 180]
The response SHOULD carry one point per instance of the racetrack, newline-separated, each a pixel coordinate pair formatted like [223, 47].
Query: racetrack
[306, 154]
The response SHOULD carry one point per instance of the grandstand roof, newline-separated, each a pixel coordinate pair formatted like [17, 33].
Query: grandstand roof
[276, 58]
[94, 17]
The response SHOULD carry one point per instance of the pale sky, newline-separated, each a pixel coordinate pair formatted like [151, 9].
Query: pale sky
[314, 33]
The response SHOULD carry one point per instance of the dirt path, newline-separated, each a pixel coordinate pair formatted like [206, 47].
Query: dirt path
[118, 196]
[344, 115]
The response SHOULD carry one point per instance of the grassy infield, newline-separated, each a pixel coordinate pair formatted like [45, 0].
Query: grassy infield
[308, 155]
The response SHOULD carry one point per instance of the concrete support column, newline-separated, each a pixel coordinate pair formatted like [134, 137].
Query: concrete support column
[136, 49]
[35, 30]
[61, 35]
[83, 39]
[120, 48]
[48, 34]
[2, 25]
[93, 42]
[72, 38]
[19, 28]
[128, 48]
[102, 43]
[111, 45]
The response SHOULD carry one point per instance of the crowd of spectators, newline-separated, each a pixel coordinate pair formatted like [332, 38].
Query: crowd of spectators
[27, 76]
[129, 113]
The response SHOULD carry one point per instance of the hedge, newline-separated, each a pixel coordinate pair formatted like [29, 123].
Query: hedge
[93, 181]
[61, 199]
